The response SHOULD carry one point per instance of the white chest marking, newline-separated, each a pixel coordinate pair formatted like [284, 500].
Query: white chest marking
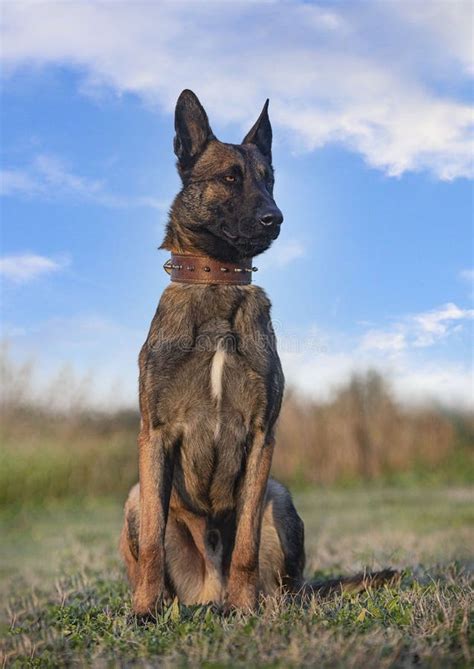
[217, 371]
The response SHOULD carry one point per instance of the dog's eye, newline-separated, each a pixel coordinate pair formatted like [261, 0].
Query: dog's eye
[230, 178]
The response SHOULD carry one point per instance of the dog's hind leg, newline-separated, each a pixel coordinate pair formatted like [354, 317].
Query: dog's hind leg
[193, 554]
[128, 545]
[281, 555]
[194, 559]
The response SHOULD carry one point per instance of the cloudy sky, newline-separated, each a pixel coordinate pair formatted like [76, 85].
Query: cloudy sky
[371, 104]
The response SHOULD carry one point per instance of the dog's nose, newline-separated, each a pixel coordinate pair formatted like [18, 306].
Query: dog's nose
[273, 217]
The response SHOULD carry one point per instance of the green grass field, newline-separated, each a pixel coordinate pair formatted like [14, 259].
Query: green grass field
[67, 602]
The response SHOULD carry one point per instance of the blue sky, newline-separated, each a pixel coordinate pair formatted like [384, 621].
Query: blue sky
[371, 105]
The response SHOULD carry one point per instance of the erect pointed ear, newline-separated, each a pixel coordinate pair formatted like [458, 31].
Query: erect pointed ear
[192, 127]
[261, 133]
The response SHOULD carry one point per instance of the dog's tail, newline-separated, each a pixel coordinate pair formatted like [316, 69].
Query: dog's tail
[350, 584]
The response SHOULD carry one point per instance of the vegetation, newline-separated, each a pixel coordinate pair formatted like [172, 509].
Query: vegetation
[55, 446]
[65, 470]
[83, 618]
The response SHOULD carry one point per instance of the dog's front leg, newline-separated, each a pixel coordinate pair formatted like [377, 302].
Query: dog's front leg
[243, 581]
[156, 476]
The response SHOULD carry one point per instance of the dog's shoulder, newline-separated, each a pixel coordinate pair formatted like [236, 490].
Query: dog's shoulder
[186, 311]
[173, 316]
[254, 313]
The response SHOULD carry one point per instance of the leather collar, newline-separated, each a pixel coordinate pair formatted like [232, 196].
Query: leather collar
[188, 268]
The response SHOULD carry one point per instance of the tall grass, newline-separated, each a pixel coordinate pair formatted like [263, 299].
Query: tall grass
[363, 433]
[54, 446]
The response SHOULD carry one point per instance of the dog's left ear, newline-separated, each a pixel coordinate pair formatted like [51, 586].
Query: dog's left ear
[193, 131]
[261, 134]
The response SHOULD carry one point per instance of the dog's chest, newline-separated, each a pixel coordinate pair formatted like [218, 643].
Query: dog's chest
[214, 378]
[224, 397]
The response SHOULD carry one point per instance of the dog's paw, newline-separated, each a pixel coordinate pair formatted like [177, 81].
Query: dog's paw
[142, 619]
[147, 606]
[243, 598]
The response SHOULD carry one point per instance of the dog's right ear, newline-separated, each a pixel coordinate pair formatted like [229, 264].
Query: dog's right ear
[193, 131]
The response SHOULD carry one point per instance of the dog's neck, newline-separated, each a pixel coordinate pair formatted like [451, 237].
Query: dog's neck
[178, 242]
[189, 264]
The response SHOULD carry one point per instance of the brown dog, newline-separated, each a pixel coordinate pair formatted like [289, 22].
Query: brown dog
[206, 523]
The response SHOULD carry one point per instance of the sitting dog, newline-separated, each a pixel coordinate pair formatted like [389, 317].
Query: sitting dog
[205, 523]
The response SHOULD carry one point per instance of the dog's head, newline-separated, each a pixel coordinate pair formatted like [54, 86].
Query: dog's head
[226, 207]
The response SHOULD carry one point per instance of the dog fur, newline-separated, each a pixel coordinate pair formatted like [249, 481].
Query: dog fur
[206, 524]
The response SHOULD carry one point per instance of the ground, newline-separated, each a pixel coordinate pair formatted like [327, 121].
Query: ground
[68, 603]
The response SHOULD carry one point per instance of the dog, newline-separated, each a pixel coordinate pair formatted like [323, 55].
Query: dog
[206, 523]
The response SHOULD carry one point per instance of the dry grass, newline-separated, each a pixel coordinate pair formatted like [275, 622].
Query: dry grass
[62, 467]
[363, 434]
[83, 617]
[55, 446]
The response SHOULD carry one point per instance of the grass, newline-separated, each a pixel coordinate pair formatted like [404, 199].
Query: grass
[55, 445]
[69, 605]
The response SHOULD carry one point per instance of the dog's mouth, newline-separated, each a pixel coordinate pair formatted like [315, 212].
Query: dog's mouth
[230, 235]
[232, 245]
[251, 245]
[265, 235]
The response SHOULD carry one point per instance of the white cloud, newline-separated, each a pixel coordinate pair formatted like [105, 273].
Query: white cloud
[13, 182]
[282, 255]
[48, 177]
[380, 340]
[74, 360]
[413, 380]
[467, 275]
[418, 330]
[27, 267]
[438, 381]
[320, 364]
[446, 26]
[438, 323]
[315, 362]
[367, 76]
